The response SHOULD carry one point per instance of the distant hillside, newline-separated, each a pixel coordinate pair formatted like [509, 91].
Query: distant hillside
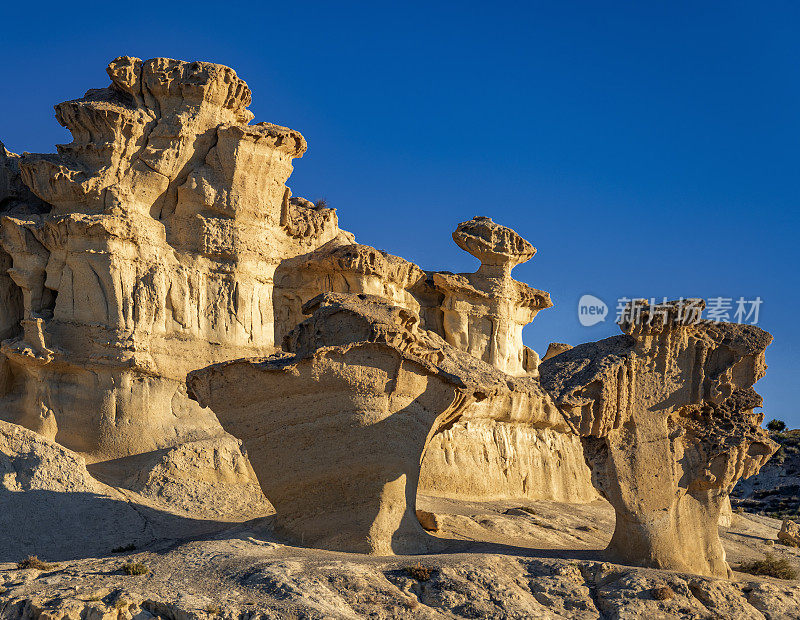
[775, 490]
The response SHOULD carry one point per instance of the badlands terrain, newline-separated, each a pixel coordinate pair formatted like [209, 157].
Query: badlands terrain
[214, 402]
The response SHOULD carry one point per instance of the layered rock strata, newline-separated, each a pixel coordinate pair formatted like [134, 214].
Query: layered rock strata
[336, 430]
[164, 238]
[169, 216]
[482, 314]
[666, 416]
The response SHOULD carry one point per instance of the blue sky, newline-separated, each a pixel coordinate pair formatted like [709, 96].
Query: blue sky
[646, 149]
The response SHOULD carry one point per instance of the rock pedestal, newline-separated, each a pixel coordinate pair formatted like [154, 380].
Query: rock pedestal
[336, 431]
[666, 416]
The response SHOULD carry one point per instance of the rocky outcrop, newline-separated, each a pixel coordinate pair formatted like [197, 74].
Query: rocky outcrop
[556, 348]
[790, 533]
[53, 506]
[666, 417]
[483, 314]
[336, 430]
[163, 238]
[169, 216]
[210, 479]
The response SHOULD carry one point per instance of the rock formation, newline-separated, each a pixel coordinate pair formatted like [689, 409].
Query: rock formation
[148, 248]
[169, 217]
[484, 312]
[665, 413]
[336, 430]
[790, 533]
[481, 313]
[163, 242]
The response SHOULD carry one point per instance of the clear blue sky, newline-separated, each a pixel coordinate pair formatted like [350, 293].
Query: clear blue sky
[647, 149]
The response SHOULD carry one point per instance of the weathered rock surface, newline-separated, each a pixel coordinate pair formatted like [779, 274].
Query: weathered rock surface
[556, 348]
[486, 459]
[51, 505]
[245, 573]
[336, 431]
[666, 416]
[55, 508]
[169, 216]
[495, 568]
[164, 239]
[208, 479]
[790, 533]
[483, 314]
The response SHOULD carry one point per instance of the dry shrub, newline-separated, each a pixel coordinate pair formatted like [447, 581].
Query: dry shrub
[136, 568]
[771, 566]
[34, 562]
[419, 572]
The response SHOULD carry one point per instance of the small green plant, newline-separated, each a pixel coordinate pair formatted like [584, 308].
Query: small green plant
[776, 426]
[124, 548]
[419, 572]
[135, 568]
[34, 562]
[771, 566]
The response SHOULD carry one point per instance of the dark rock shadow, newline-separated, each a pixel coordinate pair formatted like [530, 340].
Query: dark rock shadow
[60, 526]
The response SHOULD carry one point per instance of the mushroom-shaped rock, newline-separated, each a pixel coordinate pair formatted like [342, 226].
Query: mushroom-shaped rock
[497, 247]
[666, 416]
[484, 312]
[336, 430]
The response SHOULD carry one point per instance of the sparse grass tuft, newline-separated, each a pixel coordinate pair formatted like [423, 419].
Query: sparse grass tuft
[136, 568]
[321, 204]
[34, 562]
[771, 566]
[419, 572]
[213, 609]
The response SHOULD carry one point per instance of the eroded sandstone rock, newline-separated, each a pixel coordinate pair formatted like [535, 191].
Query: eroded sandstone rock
[790, 533]
[666, 416]
[483, 314]
[484, 459]
[169, 216]
[556, 348]
[336, 430]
